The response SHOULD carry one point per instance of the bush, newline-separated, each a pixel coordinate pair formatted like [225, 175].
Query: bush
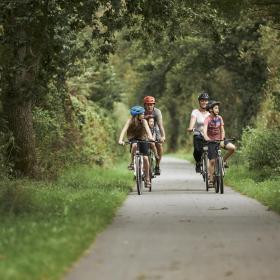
[261, 150]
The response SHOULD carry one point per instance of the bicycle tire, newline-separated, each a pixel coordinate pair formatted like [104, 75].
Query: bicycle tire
[151, 173]
[139, 181]
[217, 181]
[221, 177]
[205, 172]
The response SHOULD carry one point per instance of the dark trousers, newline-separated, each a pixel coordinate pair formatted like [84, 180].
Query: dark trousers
[198, 147]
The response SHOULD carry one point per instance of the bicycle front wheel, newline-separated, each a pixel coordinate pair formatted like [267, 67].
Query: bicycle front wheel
[151, 171]
[217, 176]
[221, 176]
[139, 181]
[205, 172]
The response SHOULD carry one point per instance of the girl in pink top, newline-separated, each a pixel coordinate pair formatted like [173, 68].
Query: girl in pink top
[214, 130]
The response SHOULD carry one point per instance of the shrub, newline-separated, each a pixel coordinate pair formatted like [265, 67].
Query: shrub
[261, 150]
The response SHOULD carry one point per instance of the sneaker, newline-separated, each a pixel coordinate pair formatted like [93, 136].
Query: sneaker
[197, 168]
[157, 170]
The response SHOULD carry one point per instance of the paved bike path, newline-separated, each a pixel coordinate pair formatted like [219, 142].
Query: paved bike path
[179, 231]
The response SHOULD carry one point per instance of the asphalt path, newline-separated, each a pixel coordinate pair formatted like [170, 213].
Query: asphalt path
[180, 231]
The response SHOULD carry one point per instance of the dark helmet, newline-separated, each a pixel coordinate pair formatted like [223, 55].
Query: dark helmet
[203, 95]
[136, 110]
[211, 104]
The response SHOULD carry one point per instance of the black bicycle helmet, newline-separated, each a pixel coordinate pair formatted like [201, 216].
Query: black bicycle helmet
[203, 95]
[211, 104]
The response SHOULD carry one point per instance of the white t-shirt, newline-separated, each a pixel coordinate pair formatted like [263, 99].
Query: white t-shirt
[200, 117]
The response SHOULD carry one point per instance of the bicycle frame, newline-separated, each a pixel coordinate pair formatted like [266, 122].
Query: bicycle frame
[138, 165]
[204, 166]
[138, 169]
[219, 171]
[204, 161]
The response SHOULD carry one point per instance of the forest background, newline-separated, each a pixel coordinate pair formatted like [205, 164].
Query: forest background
[71, 69]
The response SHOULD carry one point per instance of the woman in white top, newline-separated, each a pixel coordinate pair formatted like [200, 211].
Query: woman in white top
[196, 125]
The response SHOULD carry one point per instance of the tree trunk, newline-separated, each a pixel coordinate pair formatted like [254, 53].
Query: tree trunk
[19, 116]
[18, 92]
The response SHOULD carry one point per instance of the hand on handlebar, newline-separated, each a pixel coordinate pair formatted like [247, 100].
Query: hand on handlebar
[121, 142]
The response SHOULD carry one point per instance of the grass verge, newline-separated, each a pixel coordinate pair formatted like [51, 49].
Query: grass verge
[45, 227]
[265, 190]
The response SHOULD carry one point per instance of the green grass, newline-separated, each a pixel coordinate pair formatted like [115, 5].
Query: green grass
[45, 227]
[265, 190]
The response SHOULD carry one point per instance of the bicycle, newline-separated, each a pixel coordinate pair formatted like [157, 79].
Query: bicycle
[204, 166]
[219, 171]
[138, 166]
[152, 166]
[204, 161]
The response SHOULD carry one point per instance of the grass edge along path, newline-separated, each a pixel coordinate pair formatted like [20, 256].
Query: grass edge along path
[46, 227]
[265, 190]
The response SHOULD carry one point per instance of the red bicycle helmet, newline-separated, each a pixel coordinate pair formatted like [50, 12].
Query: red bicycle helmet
[149, 100]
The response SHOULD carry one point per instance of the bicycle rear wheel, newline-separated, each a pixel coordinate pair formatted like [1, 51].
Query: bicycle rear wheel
[139, 181]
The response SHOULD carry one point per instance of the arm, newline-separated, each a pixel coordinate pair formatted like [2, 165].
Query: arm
[205, 128]
[162, 132]
[191, 124]
[124, 130]
[160, 125]
[222, 132]
[222, 129]
[148, 131]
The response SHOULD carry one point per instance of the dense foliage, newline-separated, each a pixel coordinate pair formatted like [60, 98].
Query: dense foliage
[60, 85]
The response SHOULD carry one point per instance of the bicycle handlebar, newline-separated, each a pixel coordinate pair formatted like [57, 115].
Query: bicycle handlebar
[141, 141]
[219, 141]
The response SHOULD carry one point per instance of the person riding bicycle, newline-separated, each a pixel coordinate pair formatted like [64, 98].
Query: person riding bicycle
[151, 123]
[196, 125]
[136, 128]
[214, 130]
[151, 111]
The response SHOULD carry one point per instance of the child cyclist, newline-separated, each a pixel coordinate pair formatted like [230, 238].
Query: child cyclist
[151, 123]
[214, 130]
[136, 128]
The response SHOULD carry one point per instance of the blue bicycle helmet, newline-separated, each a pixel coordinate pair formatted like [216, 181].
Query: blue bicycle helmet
[203, 95]
[136, 110]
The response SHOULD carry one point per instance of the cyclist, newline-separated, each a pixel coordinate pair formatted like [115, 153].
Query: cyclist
[151, 111]
[198, 117]
[136, 128]
[151, 123]
[214, 130]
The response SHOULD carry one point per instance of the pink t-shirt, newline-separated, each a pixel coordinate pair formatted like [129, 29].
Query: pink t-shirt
[214, 127]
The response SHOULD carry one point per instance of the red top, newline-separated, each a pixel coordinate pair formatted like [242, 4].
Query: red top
[214, 127]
